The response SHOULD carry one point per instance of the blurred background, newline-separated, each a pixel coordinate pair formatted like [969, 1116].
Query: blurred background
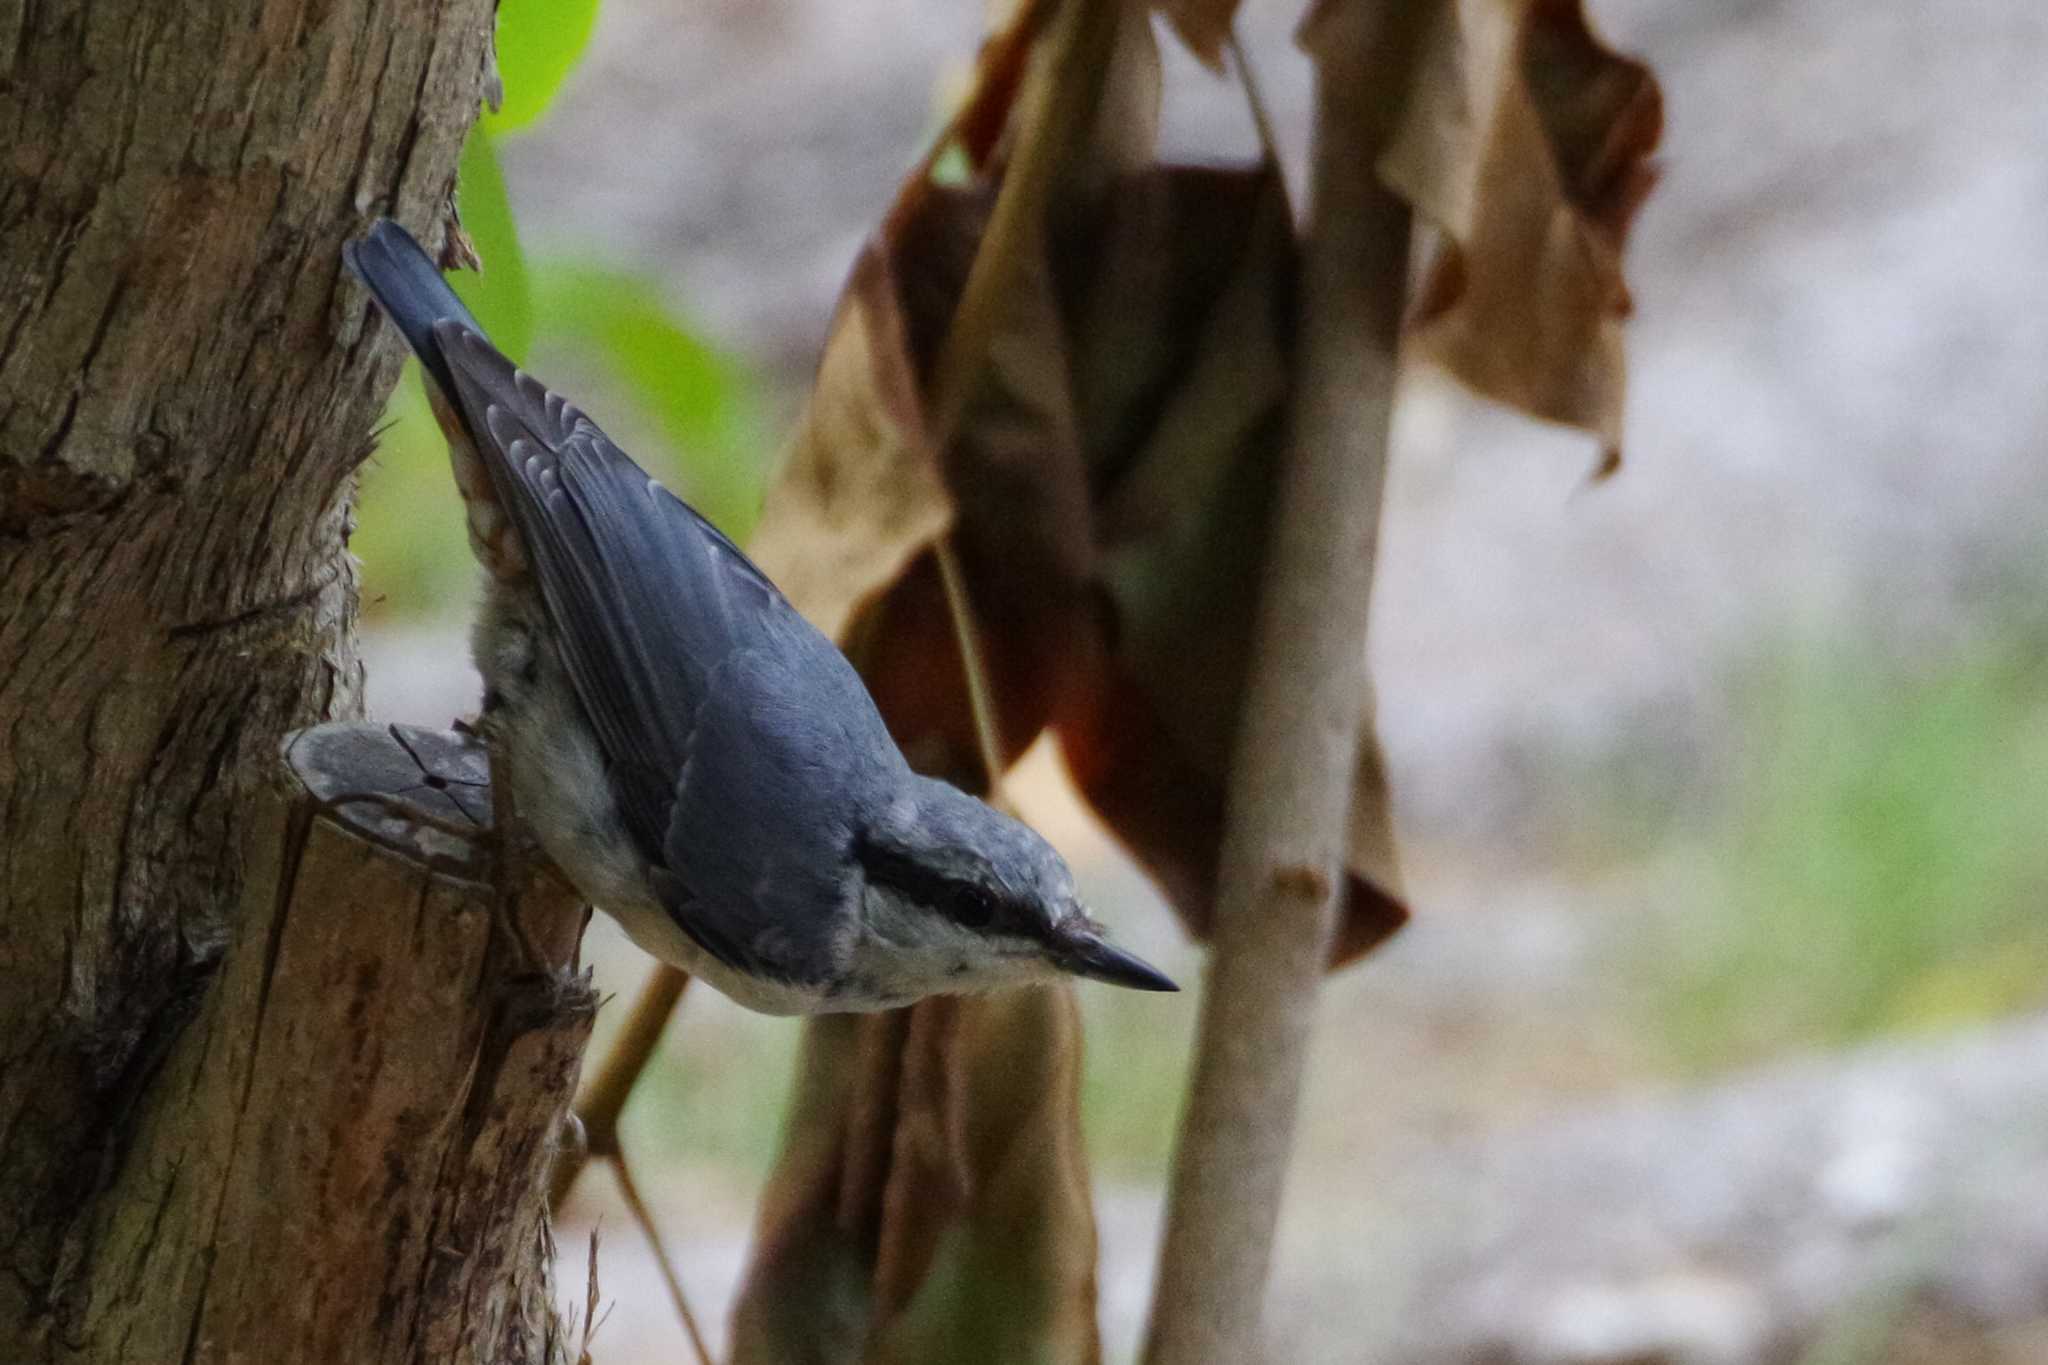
[1719, 785]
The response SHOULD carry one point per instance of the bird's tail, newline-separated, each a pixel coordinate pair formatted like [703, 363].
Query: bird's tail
[409, 287]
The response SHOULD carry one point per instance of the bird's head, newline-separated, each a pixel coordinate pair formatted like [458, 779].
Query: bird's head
[956, 896]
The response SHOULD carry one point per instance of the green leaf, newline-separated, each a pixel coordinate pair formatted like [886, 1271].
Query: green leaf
[539, 43]
[500, 295]
[699, 397]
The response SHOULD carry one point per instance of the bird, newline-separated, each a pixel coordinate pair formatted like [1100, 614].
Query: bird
[698, 760]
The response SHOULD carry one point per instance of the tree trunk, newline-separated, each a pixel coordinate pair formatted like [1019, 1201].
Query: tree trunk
[186, 386]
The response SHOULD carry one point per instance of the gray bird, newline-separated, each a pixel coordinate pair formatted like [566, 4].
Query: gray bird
[698, 760]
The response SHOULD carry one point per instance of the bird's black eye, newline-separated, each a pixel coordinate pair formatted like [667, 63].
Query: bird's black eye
[969, 905]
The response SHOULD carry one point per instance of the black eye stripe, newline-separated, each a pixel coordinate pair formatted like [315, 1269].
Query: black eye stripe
[901, 874]
[971, 906]
[964, 902]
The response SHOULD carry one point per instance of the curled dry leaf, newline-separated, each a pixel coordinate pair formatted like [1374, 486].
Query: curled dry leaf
[859, 495]
[1527, 143]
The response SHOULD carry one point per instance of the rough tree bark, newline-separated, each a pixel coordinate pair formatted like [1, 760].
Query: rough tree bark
[186, 386]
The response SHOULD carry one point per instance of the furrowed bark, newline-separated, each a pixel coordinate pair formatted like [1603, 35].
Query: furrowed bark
[344, 1155]
[1282, 863]
[186, 387]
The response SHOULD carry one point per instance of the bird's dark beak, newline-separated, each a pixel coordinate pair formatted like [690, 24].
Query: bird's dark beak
[1094, 957]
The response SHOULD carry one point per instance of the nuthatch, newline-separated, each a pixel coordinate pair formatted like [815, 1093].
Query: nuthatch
[699, 760]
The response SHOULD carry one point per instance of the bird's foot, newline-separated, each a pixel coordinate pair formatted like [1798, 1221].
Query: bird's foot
[519, 858]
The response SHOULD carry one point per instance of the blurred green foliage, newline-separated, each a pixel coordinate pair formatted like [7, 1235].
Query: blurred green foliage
[539, 43]
[1880, 866]
[1134, 1069]
[700, 399]
[718, 1088]
[501, 293]
[699, 405]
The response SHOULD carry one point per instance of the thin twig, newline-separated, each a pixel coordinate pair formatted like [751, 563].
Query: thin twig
[591, 1300]
[605, 1093]
[1262, 123]
[638, 1208]
[1281, 873]
[974, 667]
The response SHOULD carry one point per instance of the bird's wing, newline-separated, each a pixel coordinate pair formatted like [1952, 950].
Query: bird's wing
[765, 814]
[668, 631]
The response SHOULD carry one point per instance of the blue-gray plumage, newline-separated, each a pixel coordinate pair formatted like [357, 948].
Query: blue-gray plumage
[698, 759]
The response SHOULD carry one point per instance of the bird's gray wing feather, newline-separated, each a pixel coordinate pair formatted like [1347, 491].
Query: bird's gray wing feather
[766, 811]
[695, 672]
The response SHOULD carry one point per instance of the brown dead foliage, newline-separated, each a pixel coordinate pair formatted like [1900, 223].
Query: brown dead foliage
[931, 1201]
[1102, 469]
[1526, 142]
[1105, 488]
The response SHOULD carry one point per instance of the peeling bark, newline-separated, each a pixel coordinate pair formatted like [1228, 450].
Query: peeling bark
[186, 386]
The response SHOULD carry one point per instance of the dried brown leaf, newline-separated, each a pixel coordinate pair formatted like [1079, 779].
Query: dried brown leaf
[924, 1144]
[931, 1201]
[808, 1288]
[1105, 492]
[1204, 25]
[859, 494]
[1012, 1275]
[1526, 142]
[1185, 355]
[866, 490]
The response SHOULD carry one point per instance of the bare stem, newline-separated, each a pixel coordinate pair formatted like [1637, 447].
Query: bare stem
[605, 1093]
[641, 1215]
[1282, 860]
[973, 666]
